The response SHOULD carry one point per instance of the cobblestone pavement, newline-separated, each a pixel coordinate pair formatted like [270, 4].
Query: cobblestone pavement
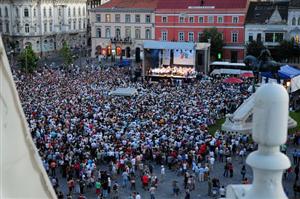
[164, 190]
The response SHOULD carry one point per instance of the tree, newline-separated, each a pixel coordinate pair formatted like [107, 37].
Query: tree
[65, 52]
[254, 48]
[215, 40]
[28, 59]
[287, 49]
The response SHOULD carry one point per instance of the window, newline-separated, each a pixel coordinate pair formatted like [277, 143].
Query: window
[70, 25]
[1, 27]
[127, 32]
[83, 26]
[98, 32]
[199, 36]
[298, 21]
[45, 12]
[7, 27]
[250, 37]
[50, 26]
[69, 12]
[148, 19]
[191, 19]
[269, 37]
[220, 19]
[79, 12]
[79, 24]
[181, 36]
[181, 19]
[201, 19]
[17, 12]
[117, 18]
[26, 12]
[235, 19]
[127, 18]
[211, 19]
[0, 12]
[107, 18]
[137, 18]
[137, 33]
[34, 12]
[6, 12]
[164, 19]
[191, 36]
[107, 32]
[148, 34]
[59, 12]
[50, 12]
[45, 27]
[294, 21]
[83, 11]
[74, 12]
[98, 17]
[164, 36]
[118, 33]
[60, 26]
[74, 25]
[27, 28]
[258, 38]
[234, 37]
[278, 37]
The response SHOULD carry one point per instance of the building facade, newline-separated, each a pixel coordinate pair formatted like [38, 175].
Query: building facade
[267, 22]
[294, 20]
[186, 21]
[119, 28]
[43, 24]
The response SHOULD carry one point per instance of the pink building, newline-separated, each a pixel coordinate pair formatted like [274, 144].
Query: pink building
[186, 20]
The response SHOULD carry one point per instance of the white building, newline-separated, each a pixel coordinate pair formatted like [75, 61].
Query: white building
[294, 20]
[120, 27]
[44, 24]
[267, 22]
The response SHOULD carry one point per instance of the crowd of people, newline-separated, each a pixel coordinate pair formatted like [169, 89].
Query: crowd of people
[106, 143]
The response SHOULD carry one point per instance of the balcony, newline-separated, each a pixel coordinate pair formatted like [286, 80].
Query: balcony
[118, 40]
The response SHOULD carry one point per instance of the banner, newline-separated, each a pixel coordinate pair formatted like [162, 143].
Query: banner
[166, 57]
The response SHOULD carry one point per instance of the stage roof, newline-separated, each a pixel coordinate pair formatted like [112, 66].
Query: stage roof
[168, 45]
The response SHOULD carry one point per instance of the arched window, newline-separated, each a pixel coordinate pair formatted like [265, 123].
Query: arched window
[27, 28]
[79, 11]
[6, 12]
[118, 33]
[74, 25]
[298, 21]
[98, 32]
[83, 11]
[17, 12]
[148, 34]
[34, 12]
[107, 32]
[79, 24]
[294, 21]
[26, 12]
[45, 12]
[50, 12]
[74, 12]
[59, 11]
[69, 12]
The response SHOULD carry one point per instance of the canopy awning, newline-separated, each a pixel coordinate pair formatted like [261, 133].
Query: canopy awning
[168, 45]
[285, 72]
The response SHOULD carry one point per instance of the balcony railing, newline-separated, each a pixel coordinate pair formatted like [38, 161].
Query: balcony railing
[118, 40]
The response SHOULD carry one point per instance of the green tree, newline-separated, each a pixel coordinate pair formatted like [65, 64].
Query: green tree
[287, 49]
[254, 48]
[28, 59]
[216, 40]
[66, 54]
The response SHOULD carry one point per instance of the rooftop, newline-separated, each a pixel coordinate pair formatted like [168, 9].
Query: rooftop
[294, 4]
[262, 12]
[185, 4]
[149, 4]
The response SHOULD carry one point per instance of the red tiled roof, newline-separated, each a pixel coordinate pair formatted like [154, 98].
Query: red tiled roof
[184, 4]
[130, 4]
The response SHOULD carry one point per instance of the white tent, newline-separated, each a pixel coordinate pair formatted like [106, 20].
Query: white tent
[21, 171]
[124, 92]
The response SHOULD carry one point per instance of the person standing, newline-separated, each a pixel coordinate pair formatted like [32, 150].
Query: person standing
[162, 173]
[152, 192]
[243, 171]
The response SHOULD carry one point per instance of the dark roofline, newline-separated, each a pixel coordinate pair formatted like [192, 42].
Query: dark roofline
[122, 10]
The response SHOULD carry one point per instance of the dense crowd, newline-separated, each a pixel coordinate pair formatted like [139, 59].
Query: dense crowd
[78, 128]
